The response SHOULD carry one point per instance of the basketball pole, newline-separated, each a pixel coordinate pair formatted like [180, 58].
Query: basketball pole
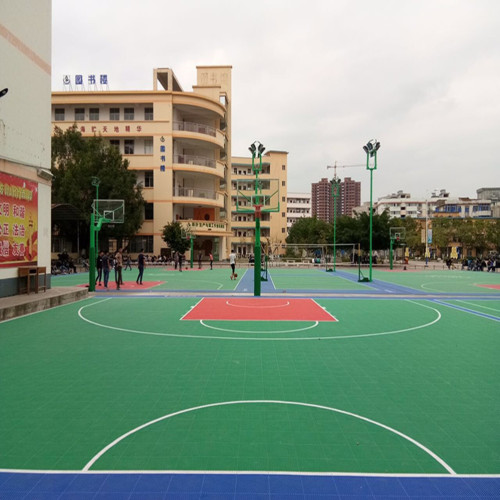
[92, 257]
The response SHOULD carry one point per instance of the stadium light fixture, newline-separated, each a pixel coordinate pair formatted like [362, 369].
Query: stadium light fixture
[371, 148]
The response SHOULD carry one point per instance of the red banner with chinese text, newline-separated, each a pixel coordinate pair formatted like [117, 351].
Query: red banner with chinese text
[18, 221]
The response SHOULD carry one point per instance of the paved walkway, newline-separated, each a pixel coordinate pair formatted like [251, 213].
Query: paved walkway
[18, 305]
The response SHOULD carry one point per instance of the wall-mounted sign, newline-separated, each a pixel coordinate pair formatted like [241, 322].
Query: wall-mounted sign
[91, 81]
[18, 221]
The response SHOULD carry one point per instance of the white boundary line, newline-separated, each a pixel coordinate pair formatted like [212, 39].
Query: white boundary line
[363, 335]
[478, 305]
[324, 309]
[259, 307]
[252, 472]
[192, 307]
[96, 457]
[316, 323]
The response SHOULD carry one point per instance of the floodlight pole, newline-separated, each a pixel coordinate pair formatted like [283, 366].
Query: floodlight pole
[335, 182]
[257, 151]
[371, 149]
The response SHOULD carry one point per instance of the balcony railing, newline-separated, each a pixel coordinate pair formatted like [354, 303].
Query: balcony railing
[195, 160]
[196, 193]
[199, 128]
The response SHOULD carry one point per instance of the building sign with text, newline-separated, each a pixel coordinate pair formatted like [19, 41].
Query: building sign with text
[18, 221]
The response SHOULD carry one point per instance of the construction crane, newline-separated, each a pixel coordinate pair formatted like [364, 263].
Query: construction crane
[335, 166]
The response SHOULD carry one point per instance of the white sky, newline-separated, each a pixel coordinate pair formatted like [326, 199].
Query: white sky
[319, 78]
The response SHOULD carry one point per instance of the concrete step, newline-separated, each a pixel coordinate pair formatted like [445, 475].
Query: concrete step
[19, 305]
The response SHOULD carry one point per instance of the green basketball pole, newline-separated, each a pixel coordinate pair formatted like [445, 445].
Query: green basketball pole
[191, 246]
[390, 253]
[92, 262]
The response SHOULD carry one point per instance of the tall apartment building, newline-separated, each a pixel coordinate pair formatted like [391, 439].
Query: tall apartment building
[322, 206]
[274, 224]
[178, 142]
[350, 196]
[298, 206]
[321, 200]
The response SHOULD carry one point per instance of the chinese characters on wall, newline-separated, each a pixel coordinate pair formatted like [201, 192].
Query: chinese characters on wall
[18, 221]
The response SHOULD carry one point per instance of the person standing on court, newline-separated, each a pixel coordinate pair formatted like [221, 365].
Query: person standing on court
[128, 262]
[181, 256]
[232, 263]
[118, 268]
[211, 258]
[99, 267]
[199, 260]
[106, 265]
[140, 265]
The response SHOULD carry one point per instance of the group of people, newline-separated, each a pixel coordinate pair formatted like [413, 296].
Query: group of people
[106, 262]
[480, 264]
[64, 264]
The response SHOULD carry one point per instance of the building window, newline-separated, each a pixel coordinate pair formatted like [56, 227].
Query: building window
[59, 114]
[283, 214]
[128, 113]
[148, 179]
[148, 146]
[283, 183]
[283, 230]
[148, 211]
[148, 113]
[94, 114]
[129, 147]
[114, 113]
[137, 243]
[79, 114]
[115, 143]
[283, 167]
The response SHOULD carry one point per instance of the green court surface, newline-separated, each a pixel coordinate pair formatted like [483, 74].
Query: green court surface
[312, 279]
[432, 281]
[122, 382]
[164, 278]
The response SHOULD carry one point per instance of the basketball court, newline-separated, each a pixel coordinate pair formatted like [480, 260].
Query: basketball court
[191, 387]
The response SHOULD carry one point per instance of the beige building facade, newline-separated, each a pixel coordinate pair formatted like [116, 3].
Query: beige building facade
[25, 179]
[273, 224]
[179, 144]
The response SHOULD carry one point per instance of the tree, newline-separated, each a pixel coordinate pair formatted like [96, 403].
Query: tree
[75, 160]
[172, 235]
[310, 230]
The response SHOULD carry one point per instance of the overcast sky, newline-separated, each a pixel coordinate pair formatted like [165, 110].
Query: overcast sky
[319, 78]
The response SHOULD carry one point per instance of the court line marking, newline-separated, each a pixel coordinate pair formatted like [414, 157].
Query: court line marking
[362, 335]
[316, 323]
[478, 305]
[257, 306]
[96, 457]
[324, 309]
[249, 472]
[468, 311]
[192, 307]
